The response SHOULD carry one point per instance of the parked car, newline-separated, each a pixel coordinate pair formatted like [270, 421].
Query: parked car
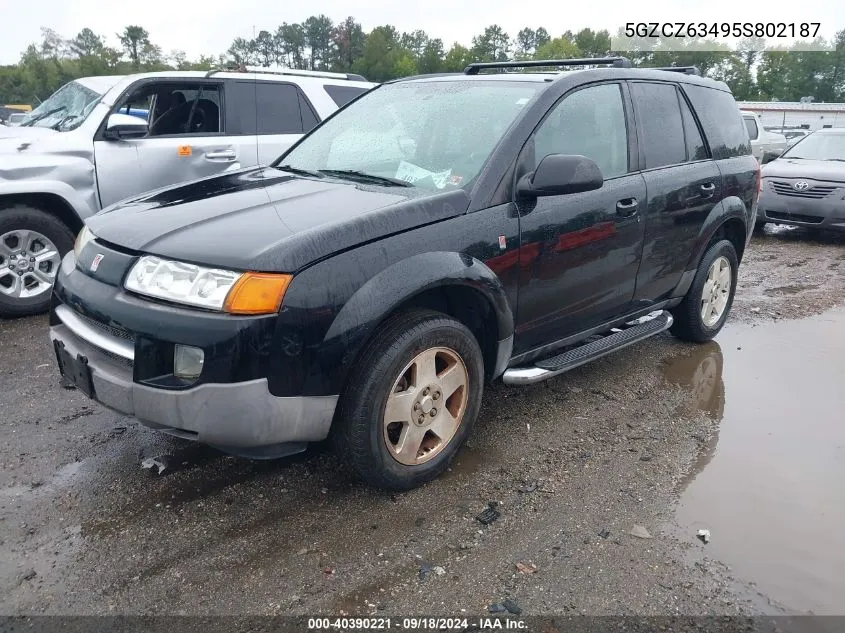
[762, 140]
[15, 119]
[793, 136]
[806, 185]
[90, 145]
[366, 296]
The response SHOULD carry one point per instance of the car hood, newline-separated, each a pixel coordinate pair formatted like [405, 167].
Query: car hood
[267, 220]
[827, 170]
[27, 132]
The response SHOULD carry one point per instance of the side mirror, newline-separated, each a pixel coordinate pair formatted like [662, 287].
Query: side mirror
[769, 156]
[123, 126]
[559, 174]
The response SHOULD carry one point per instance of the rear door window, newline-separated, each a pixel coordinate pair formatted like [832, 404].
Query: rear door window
[278, 109]
[696, 149]
[720, 119]
[660, 128]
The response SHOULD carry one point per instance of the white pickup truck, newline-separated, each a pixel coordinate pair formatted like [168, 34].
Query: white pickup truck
[762, 141]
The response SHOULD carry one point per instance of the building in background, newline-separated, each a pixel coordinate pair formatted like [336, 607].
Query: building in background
[811, 116]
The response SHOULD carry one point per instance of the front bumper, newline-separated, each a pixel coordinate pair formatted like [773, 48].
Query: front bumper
[826, 212]
[231, 411]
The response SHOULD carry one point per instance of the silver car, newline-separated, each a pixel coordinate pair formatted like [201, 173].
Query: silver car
[806, 185]
[98, 140]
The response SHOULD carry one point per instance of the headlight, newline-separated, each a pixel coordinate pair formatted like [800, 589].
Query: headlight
[85, 236]
[211, 288]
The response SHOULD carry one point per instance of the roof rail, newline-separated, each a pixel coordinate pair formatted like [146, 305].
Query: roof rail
[687, 70]
[281, 70]
[617, 62]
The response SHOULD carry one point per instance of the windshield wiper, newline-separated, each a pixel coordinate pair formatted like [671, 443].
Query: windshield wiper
[44, 115]
[300, 172]
[354, 174]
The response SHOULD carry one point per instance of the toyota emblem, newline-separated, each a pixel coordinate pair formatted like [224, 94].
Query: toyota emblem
[801, 185]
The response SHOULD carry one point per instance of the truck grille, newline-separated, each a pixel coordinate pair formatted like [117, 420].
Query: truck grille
[816, 192]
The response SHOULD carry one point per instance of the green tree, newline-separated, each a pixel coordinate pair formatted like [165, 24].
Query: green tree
[491, 46]
[86, 44]
[290, 43]
[349, 40]
[318, 36]
[592, 43]
[242, 51]
[431, 60]
[558, 48]
[458, 58]
[134, 39]
[264, 46]
[379, 58]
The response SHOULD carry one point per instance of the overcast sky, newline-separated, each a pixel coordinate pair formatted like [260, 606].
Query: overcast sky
[209, 26]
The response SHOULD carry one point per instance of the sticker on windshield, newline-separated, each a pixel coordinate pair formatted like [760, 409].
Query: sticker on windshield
[413, 174]
[185, 150]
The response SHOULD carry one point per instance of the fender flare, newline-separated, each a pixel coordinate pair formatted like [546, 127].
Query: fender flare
[382, 294]
[729, 208]
[68, 194]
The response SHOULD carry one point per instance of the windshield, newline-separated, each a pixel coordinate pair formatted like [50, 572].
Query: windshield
[433, 135]
[819, 147]
[66, 108]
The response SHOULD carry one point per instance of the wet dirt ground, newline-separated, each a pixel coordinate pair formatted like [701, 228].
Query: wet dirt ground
[743, 436]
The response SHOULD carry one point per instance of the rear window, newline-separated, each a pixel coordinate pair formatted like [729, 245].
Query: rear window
[751, 126]
[719, 116]
[342, 95]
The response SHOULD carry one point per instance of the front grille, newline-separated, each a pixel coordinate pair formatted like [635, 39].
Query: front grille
[816, 192]
[795, 217]
[109, 330]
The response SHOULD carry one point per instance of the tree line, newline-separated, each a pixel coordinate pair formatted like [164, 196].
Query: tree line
[384, 53]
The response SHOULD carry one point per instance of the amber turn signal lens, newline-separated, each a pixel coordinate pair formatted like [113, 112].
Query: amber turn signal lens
[257, 293]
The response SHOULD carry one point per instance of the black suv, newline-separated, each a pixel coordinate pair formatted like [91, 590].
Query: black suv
[436, 233]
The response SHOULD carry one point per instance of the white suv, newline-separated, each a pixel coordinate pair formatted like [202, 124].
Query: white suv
[98, 140]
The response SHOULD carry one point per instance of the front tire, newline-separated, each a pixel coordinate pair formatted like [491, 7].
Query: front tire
[705, 308]
[32, 244]
[411, 400]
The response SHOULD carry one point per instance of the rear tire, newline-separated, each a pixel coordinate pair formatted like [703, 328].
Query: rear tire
[411, 400]
[706, 306]
[32, 245]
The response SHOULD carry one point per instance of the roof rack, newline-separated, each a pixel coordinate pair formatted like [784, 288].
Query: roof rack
[687, 70]
[281, 70]
[617, 62]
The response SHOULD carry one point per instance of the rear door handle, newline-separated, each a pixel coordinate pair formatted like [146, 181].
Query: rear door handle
[627, 208]
[221, 154]
[708, 189]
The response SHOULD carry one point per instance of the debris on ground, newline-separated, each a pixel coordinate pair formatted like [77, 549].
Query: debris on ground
[497, 607]
[511, 606]
[425, 572]
[155, 462]
[527, 487]
[489, 514]
[640, 532]
[329, 571]
[526, 568]
[29, 574]
[755, 310]
[440, 571]
[704, 535]
[645, 457]
[604, 534]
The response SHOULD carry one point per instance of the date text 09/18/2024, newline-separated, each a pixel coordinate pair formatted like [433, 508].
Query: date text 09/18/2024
[416, 624]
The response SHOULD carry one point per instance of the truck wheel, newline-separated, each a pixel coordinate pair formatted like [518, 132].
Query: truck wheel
[32, 244]
[411, 400]
[705, 308]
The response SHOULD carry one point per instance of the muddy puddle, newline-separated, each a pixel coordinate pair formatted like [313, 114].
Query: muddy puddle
[770, 486]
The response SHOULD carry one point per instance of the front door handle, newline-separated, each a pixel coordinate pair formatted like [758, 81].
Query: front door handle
[221, 154]
[627, 208]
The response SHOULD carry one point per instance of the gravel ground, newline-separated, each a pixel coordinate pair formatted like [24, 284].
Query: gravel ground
[572, 466]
